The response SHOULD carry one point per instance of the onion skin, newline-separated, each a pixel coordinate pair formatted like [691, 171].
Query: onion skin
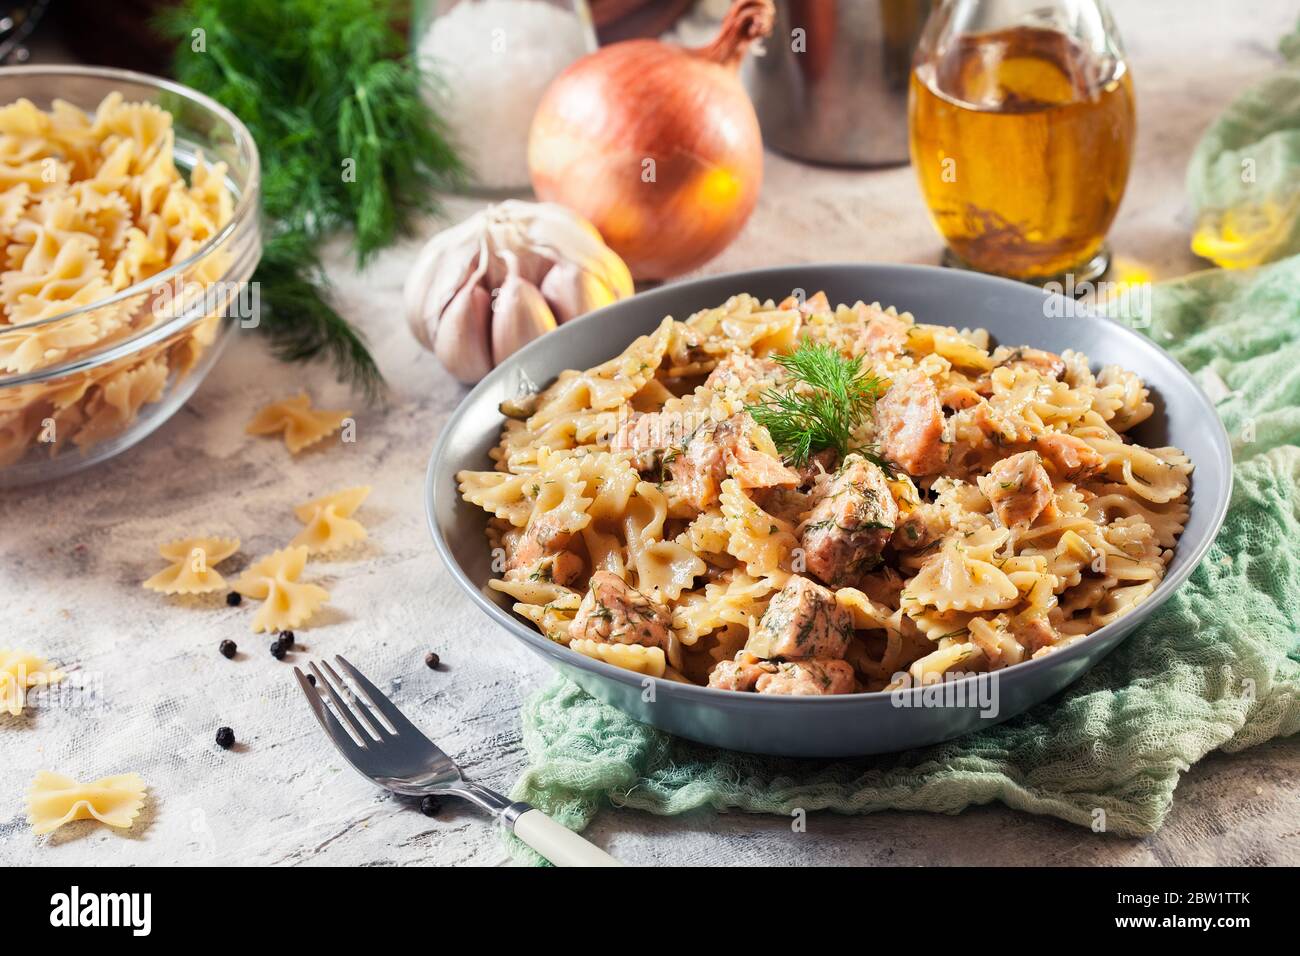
[609, 113]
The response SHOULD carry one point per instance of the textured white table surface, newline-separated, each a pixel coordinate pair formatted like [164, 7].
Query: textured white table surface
[73, 554]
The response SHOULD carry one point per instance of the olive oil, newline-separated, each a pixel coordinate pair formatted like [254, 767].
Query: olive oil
[1022, 141]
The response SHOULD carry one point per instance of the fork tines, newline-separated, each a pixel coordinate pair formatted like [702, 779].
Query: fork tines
[358, 709]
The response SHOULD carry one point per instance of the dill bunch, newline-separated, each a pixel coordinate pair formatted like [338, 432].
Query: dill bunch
[347, 141]
[827, 401]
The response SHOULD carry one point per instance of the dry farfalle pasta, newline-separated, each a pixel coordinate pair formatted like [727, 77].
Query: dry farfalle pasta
[19, 672]
[329, 521]
[300, 424]
[89, 206]
[287, 603]
[54, 799]
[191, 570]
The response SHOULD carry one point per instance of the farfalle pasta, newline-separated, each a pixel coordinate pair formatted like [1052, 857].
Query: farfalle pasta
[286, 602]
[641, 515]
[20, 671]
[296, 421]
[329, 523]
[91, 205]
[55, 799]
[192, 569]
[634, 657]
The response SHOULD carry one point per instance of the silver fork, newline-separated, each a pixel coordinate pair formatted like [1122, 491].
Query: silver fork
[387, 748]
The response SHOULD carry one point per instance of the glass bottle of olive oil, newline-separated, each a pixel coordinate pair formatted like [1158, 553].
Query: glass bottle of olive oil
[1021, 125]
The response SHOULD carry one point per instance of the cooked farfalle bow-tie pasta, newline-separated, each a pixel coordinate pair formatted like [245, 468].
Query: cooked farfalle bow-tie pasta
[799, 499]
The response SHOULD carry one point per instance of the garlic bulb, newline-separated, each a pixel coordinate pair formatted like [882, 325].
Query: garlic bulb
[482, 290]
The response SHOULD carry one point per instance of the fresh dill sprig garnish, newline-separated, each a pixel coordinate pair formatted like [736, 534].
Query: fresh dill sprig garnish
[346, 137]
[825, 404]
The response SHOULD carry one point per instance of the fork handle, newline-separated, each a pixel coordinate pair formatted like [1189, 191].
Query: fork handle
[554, 840]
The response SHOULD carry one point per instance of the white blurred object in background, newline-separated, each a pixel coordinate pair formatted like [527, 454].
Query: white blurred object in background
[493, 60]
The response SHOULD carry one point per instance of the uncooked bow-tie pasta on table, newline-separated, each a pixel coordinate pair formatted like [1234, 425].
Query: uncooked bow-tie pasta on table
[797, 498]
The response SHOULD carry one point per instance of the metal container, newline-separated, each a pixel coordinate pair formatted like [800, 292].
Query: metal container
[832, 84]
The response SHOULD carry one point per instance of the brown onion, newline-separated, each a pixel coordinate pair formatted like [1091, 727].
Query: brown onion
[657, 145]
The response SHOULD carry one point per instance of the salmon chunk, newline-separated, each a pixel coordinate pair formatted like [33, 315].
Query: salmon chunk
[698, 469]
[750, 457]
[884, 334]
[909, 423]
[1018, 488]
[814, 304]
[735, 447]
[614, 612]
[1048, 364]
[651, 431]
[740, 674]
[958, 397]
[819, 462]
[802, 620]
[1034, 634]
[808, 678]
[539, 553]
[850, 524]
[1069, 457]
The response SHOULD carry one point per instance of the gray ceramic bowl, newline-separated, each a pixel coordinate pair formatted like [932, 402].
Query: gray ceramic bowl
[851, 724]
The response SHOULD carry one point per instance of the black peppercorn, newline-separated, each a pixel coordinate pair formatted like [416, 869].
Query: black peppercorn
[432, 660]
[278, 650]
[225, 738]
[233, 598]
[286, 638]
[311, 679]
[227, 648]
[430, 806]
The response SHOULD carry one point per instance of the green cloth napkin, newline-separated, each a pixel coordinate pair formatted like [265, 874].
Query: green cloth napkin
[1217, 668]
[1244, 177]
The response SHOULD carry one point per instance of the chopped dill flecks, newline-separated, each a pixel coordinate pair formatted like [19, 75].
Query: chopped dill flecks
[825, 404]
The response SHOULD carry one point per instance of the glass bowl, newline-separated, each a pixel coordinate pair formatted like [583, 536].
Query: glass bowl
[82, 385]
